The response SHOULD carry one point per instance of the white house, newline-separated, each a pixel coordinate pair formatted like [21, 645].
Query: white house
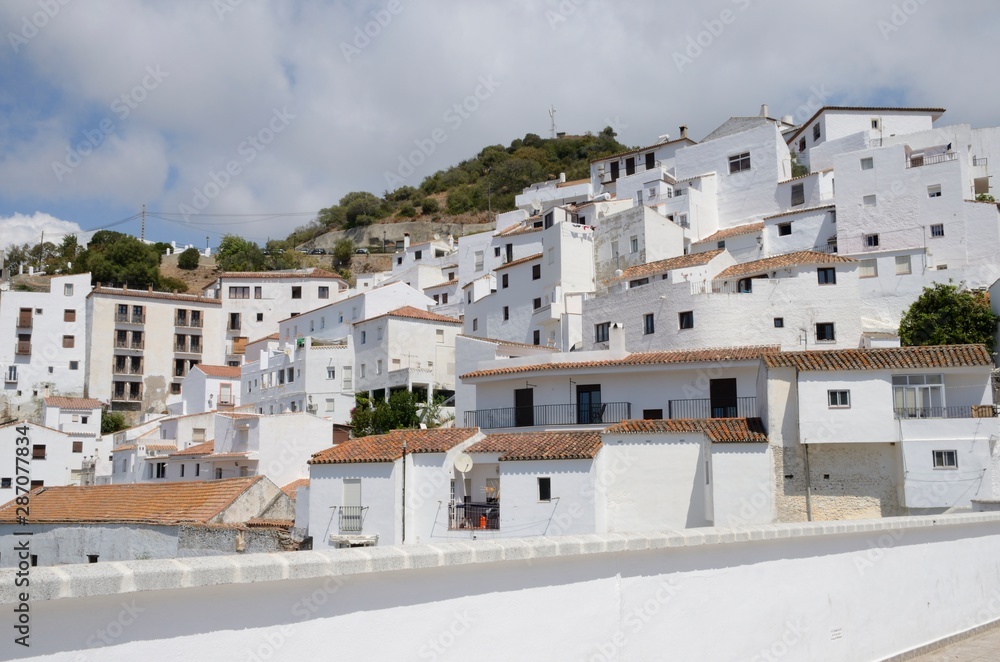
[51, 456]
[210, 387]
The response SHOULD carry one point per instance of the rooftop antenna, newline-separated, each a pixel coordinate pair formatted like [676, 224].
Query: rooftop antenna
[552, 116]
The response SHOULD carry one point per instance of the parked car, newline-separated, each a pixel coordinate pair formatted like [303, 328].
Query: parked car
[362, 251]
[318, 251]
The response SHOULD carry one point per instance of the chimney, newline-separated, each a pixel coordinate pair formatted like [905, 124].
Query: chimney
[406, 240]
[764, 111]
[562, 177]
[684, 132]
[616, 341]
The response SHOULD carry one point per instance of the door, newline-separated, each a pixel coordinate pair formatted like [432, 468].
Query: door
[722, 393]
[350, 517]
[588, 404]
[524, 407]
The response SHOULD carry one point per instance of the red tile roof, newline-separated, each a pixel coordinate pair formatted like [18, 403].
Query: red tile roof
[800, 258]
[306, 274]
[409, 312]
[523, 260]
[804, 210]
[519, 229]
[146, 294]
[509, 343]
[717, 430]
[224, 371]
[290, 490]
[540, 446]
[146, 503]
[662, 266]
[389, 447]
[680, 356]
[72, 403]
[733, 232]
[198, 449]
[883, 358]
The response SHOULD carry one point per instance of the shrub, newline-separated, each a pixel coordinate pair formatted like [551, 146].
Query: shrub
[189, 259]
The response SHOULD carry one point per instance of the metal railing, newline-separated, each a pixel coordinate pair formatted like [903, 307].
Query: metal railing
[973, 411]
[980, 161]
[127, 397]
[542, 415]
[918, 161]
[704, 408]
[194, 323]
[474, 516]
[351, 518]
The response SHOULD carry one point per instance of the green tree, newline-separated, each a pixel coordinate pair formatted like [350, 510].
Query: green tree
[947, 314]
[429, 206]
[343, 250]
[189, 258]
[112, 422]
[113, 258]
[378, 417]
[238, 254]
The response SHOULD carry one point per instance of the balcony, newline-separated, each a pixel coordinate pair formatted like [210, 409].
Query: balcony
[351, 518]
[24, 322]
[605, 413]
[10, 378]
[705, 408]
[916, 161]
[188, 323]
[973, 411]
[23, 348]
[482, 516]
[128, 369]
[121, 396]
[408, 376]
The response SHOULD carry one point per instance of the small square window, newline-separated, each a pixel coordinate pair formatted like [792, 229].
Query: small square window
[869, 201]
[903, 265]
[545, 489]
[69, 341]
[779, 322]
[739, 163]
[296, 291]
[418, 255]
[68, 289]
[868, 269]
[74, 365]
[685, 320]
[648, 324]
[945, 459]
[69, 315]
[602, 332]
[838, 399]
[826, 276]
[324, 292]
[876, 124]
[825, 332]
[937, 230]
[867, 163]
[871, 241]
[175, 388]
[537, 303]
[77, 446]
[784, 229]
[6, 483]
[934, 191]
[721, 244]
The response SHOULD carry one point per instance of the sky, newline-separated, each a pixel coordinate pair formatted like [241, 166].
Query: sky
[249, 116]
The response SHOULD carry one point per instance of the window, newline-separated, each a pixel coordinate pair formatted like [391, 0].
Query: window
[69, 341]
[197, 469]
[868, 163]
[364, 337]
[468, 297]
[479, 260]
[84, 419]
[871, 240]
[218, 474]
[798, 194]
[399, 260]
[934, 191]
[38, 452]
[296, 291]
[378, 367]
[444, 298]
[838, 399]
[182, 471]
[802, 144]
[937, 230]
[826, 275]
[779, 322]
[685, 320]
[496, 251]
[536, 337]
[816, 131]
[648, 324]
[239, 292]
[506, 313]
[378, 333]
[475, 324]
[361, 371]
[650, 161]
[439, 333]
[331, 373]
[331, 404]
[348, 377]
[258, 292]
[918, 396]
[634, 244]
[417, 255]
[74, 365]
[602, 331]
[825, 332]
[324, 292]
[739, 163]
[721, 244]
[175, 388]
[161, 469]
[5, 483]
[652, 414]
[69, 315]
[876, 124]
[784, 229]
[903, 265]
[945, 459]
[68, 289]
[869, 201]
[545, 489]
[639, 282]
[536, 303]
[536, 272]
[77, 446]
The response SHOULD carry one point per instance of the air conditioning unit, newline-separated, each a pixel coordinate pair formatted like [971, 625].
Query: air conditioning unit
[311, 409]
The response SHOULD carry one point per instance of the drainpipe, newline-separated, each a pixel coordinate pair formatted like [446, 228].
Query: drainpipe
[404, 493]
[805, 449]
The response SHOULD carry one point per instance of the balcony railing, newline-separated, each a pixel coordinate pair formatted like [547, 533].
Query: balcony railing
[974, 411]
[705, 408]
[188, 323]
[917, 161]
[127, 397]
[474, 516]
[352, 518]
[543, 415]
[23, 348]
[980, 161]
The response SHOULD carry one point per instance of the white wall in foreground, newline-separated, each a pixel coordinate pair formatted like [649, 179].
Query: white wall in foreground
[851, 591]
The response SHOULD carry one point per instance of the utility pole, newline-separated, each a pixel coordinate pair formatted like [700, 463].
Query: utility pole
[552, 115]
[142, 229]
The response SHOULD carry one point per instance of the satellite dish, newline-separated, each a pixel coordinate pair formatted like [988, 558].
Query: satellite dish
[463, 462]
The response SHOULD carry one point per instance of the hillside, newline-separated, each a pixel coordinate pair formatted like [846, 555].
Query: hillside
[468, 193]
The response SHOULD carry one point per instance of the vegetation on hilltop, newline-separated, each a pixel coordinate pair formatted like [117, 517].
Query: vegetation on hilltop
[948, 314]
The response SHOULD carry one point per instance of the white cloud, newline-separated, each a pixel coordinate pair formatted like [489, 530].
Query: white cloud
[20, 229]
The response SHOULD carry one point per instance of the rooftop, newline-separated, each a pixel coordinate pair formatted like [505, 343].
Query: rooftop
[718, 430]
[798, 259]
[294, 273]
[883, 358]
[934, 112]
[732, 232]
[409, 312]
[523, 260]
[389, 447]
[540, 446]
[224, 371]
[72, 403]
[679, 262]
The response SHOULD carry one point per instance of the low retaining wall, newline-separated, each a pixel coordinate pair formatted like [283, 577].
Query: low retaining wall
[853, 591]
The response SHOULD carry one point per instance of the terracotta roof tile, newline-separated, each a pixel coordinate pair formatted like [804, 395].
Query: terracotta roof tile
[290, 490]
[409, 312]
[717, 430]
[540, 446]
[224, 371]
[160, 447]
[389, 447]
[801, 258]
[883, 358]
[72, 403]
[804, 210]
[198, 449]
[148, 503]
[733, 232]
[146, 294]
[715, 355]
[444, 284]
[523, 260]
[262, 523]
[314, 273]
[663, 266]
[510, 343]
[519, 228]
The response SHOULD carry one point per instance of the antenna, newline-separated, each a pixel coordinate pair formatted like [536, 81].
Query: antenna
[552, 115]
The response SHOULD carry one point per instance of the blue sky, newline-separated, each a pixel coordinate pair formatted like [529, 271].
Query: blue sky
[221, 114]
